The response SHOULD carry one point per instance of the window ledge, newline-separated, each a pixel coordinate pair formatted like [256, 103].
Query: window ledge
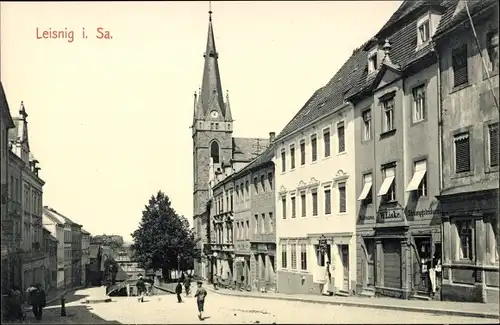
[314, 162]
[342, 213]
[413, 123]
[327, 157]
[460, 87]
[462, 175]
[387, 134]
[492, 74]
[342, 153]
[366, 141]
[489, 170]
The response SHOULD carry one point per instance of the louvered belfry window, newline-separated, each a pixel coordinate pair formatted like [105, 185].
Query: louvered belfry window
[493, 139]
[460, 70]
[462, 153]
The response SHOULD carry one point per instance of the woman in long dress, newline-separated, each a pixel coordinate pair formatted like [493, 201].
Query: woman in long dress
[328, 280]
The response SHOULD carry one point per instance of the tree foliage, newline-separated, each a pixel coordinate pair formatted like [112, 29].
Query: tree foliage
[164, 236]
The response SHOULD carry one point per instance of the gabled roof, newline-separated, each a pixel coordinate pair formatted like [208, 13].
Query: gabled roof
[85, 232]
[246, 149]
[63, 217]
[4, 108]
[331, 96]
[48, 213]
[453, 15]
[261, 160]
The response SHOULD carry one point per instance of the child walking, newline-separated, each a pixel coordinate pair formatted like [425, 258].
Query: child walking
[178, 291]
[200, 295]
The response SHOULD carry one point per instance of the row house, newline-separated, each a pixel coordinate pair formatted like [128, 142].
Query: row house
[26, 190]
[468, 60]
[397, 150]
[85, 255]
[221, 224]
[8, 233]
[50, 248]
[53, 223]
[315, 191]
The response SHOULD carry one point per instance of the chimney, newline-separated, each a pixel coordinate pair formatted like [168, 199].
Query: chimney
[272, 135]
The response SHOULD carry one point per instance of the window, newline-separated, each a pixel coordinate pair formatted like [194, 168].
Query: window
[214, 152]
[263, 224]
[366, 193]
[367, 125]
[216, 126]
[493, 144]
[271, 223]
[492, 49]
[237, 191]
[283, 256]
[256, 185]
[256, 228]
[462, 152]
[238, 231]
[231, 200]
[314, 196]
[262, 180]
[293, 248]
[423, 32]
[302, 152]
[459, 63]
[326, 142]
[303, 257]
[388, 115]
[465, 230]
[283, 207]
[283, 160]
[270, 180]
[247, 187]
[342, 199]
[388, 187]
[247, 228]
[211, 126]
[341, 136]
[292, 156]
[303, 203]
[372, 63]
[328, 201]
[293, 207]
[314, 148]
[419, 109]
[421, 167]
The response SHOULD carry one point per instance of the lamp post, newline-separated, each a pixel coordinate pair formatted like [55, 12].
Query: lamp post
[214, 266]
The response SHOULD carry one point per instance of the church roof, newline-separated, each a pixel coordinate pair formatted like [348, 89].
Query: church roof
[246, 149]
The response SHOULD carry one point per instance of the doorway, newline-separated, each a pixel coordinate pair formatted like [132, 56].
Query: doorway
[344, 256]
[369, 265]
[421, 259]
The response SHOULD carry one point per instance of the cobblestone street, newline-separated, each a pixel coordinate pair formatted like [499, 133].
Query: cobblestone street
[222, 309]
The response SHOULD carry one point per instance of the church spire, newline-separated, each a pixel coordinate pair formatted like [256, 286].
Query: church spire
[211, 97]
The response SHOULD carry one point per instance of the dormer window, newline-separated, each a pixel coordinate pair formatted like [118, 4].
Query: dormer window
[423, 32]
[372, 62]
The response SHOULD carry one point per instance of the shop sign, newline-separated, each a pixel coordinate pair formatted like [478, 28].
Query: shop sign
[391, 215]
[323, 243]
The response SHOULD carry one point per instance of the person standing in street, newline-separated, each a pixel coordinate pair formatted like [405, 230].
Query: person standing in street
[38, 300]
[178, 291]
[200, 295]
[187, 285]
[141, 288]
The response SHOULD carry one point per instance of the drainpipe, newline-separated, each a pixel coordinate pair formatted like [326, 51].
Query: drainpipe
[440, 118]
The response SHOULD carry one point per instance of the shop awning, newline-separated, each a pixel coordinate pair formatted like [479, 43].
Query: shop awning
[420, 170]
[386, 184]
[366, 189]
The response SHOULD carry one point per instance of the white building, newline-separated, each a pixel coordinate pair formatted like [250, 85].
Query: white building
[53, 223]
[85, 254]
[315, 192]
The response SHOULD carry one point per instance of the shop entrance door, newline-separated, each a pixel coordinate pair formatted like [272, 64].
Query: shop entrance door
[421, 257]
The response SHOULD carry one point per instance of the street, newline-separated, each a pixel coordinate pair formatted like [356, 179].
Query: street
[221, 309]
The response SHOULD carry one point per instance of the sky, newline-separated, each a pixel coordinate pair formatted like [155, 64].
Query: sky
[109, 118]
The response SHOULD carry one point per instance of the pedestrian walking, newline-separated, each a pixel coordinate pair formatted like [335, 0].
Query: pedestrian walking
[178, 291]
[141, 288]
[200, 295]
[187, 285]
[38, 300]
[128, 289]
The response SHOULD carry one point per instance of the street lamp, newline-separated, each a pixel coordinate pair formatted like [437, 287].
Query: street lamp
[214, 266]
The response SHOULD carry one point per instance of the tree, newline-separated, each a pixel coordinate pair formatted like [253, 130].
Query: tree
[110, 270]
[164, 240]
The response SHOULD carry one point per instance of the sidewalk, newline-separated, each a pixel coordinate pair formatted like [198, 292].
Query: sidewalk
[438, 307]
[55, 294]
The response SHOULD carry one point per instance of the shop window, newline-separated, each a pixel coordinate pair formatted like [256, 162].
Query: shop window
[284, 261]
[465, 229]
[293, 247]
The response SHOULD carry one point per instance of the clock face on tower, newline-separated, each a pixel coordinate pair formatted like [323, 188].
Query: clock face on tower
[214, 114]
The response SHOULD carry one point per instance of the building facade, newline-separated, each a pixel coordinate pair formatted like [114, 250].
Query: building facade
[6, 204]
[469, 137]
[30, 191]
[53, 223]
[50, 247]
[315, 188]
[397, 156]
[85, 255]
[213, 144]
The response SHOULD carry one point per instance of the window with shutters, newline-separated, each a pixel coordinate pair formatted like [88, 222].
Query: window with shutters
[314, 148]
[292, 156]
[342, 198]
[492, 50]
[303, 257]
[459, 64]
[367, 125]
[341, 137]
[326, 142]
[293, 207]
[328, 200]
[314, 199]
[419, 109]
[283, 160]
[283, 207]
[303, 203]
[293, 248]
[462, 152]
[302, 152]
[493, 144]
[284, 261]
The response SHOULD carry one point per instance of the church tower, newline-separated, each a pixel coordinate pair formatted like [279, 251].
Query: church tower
[212, 127]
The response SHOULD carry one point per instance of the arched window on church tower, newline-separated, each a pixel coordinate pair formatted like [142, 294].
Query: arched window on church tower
[214, 152]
